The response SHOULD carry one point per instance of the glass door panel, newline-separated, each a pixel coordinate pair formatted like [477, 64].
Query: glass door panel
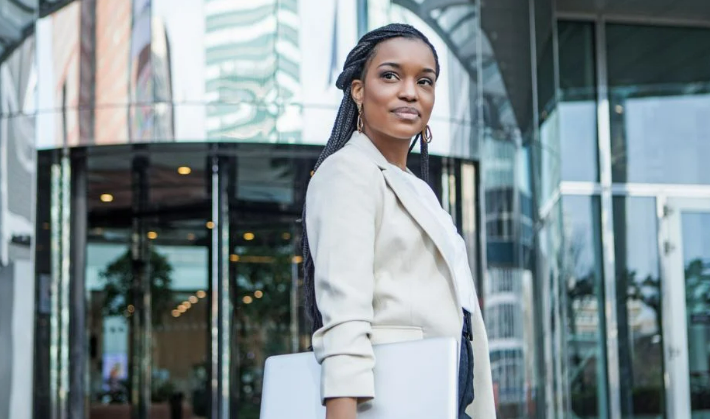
[148, 276]
[687, 266]
[266, 199]
[696, 261]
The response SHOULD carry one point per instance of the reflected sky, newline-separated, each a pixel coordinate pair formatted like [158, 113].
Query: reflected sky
[696, 237]
[188, 263]
[578, 148]
[667, 139]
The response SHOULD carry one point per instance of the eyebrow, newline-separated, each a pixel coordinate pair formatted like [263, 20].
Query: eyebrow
[397, 66]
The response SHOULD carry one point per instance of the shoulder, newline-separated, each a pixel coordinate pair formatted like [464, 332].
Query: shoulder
[348, 167]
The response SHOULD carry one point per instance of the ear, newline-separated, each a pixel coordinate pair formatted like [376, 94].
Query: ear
[357, 91]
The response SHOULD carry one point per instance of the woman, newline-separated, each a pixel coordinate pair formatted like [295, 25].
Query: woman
[383, 261]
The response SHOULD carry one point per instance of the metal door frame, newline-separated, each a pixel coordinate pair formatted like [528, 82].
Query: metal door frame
[675, 348]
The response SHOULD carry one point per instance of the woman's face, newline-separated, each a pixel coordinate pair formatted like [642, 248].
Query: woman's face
[397, 93]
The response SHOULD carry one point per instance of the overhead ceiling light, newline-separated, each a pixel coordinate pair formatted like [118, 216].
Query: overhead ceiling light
[210, 225]
[201, 294]
[184, 170]
[107, 197]
[193, 299]
[247, 299]
[248, 236]
[181, 308]
[152, 235]
[176, 313]
[258, 293]
[187, 304]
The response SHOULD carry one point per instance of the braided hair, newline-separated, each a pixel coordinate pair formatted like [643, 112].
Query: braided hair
[344, 126]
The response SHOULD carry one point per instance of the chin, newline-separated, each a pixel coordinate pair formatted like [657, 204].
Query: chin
[404, 136]
[404, 133]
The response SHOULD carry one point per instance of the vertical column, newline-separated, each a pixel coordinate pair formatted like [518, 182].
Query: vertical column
[59, 317]
[141, 320]
[64, 270]
[56, 391]
[77, 308]
[607, 223]
[225, 307]
[221, 314]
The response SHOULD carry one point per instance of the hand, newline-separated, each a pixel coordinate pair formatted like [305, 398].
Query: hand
[341, 408]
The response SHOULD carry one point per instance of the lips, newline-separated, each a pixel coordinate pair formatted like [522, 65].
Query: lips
[406, 113]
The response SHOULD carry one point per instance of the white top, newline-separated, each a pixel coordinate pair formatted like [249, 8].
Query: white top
[462, 270]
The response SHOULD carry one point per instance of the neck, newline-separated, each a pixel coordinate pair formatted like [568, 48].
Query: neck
[394, 150]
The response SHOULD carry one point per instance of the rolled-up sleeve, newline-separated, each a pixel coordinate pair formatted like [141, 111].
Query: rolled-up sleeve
[341, 214]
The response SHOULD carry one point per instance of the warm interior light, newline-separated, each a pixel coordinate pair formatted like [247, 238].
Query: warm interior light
[234, 258]
[286, 236]
[210, 225]
[181, 308]
[152, 235]
[297, 259]
[258, 293]
[184, 170]
[187, 304]
[176, 313]
[131, 309]
[248, 236]
[201, 294]
[106, 197]
[190, 236]
[247, 299]
[193, 299]
[257, 259]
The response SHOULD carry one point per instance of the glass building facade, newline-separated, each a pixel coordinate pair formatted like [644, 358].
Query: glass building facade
[154, 157]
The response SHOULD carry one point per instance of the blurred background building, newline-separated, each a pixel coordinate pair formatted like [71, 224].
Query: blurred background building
[154, 156]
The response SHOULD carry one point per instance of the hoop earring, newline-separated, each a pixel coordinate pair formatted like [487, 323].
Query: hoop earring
[427, 135]
[360, 124]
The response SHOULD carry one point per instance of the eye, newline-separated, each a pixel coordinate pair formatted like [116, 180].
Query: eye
[426, 81]
[388, 75]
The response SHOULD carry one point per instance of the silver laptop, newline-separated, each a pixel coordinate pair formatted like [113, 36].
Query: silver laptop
[416, 379]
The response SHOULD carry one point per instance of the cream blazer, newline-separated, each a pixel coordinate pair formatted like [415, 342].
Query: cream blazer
[381, 273]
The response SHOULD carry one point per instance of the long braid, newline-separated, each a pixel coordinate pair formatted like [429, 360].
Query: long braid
[345, 125]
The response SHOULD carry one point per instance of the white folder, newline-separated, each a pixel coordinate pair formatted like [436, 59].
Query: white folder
[416, 379]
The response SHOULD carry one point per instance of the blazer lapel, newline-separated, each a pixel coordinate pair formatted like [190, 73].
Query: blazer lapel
[411, 202]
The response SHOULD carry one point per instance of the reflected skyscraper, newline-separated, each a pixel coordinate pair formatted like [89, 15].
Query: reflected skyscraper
[252, 70]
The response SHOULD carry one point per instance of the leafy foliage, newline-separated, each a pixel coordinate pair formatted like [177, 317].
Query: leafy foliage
[120, 286]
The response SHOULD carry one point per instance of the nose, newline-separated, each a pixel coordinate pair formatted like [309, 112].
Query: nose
[408, 90]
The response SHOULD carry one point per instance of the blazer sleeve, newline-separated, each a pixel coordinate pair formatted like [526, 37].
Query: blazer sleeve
[341, 212]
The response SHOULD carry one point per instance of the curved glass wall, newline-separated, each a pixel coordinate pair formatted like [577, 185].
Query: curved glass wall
[232, 71]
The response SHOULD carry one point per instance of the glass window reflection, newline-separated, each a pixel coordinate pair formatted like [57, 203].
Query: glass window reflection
[578, 108]
[639, 311]
[584, 306]
[659, 102]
